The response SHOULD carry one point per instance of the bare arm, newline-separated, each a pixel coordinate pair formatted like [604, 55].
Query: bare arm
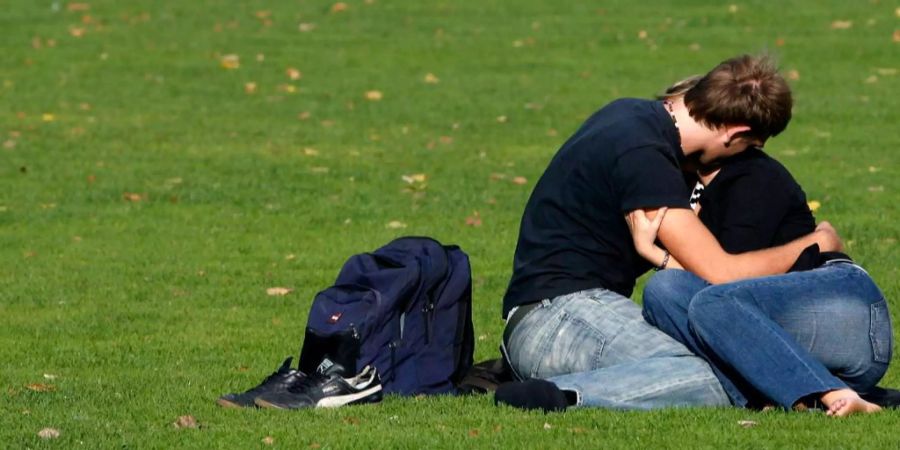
[692, 245]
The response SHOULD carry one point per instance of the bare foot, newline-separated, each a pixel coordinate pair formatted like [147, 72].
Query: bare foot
[844, 402]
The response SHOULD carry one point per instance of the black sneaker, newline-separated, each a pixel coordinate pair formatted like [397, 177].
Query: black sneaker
[276, 382]
[327, 388]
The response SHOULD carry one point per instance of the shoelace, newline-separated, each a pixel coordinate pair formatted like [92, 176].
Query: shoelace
[274, 377]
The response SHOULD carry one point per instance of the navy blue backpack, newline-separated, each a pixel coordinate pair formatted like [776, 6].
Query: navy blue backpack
[405, 308]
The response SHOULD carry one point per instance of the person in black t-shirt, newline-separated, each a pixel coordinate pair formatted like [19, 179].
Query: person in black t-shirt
[569, 318]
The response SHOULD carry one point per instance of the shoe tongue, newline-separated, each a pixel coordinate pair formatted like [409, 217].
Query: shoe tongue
[328, 367]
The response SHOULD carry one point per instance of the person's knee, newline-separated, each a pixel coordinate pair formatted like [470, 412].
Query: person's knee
[669, 289]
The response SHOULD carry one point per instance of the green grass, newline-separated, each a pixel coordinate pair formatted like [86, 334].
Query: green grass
[148, 310]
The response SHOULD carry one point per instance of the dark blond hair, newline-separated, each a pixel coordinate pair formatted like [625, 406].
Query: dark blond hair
[745, 90]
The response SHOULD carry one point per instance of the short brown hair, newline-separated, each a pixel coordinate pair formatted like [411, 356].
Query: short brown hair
[745, 90]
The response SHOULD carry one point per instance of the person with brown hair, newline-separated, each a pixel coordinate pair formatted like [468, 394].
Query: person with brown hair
[572, 332]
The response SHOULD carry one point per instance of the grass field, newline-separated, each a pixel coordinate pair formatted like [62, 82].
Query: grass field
[163, 163]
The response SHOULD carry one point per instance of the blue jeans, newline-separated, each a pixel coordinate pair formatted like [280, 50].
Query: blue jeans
[779, 338]
[597, 344]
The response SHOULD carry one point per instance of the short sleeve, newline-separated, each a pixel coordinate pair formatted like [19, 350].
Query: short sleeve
[647, 177]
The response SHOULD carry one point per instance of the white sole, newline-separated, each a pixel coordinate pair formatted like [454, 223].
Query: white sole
[341, 400]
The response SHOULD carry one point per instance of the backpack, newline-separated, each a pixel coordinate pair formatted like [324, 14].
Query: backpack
[405, 308]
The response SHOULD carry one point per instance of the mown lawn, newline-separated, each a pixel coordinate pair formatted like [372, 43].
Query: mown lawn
[164, 163]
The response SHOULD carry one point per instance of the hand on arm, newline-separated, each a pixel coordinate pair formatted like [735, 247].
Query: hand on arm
[643, 234]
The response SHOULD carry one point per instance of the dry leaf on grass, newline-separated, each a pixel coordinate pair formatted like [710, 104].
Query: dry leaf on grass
[40, 387]
[186, 422]
[813, 205]
[474, 220]
[374, 96]
[841, 24]
[48, 433]
[278, 291]
[520, 180]
[230, 62]
[395, 224]
[293, 73]
[431, 78]
[747, 423]
[338, 7]
[268, 440]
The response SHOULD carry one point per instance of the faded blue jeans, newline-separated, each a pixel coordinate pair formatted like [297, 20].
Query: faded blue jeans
[779, 338]
[597, 344]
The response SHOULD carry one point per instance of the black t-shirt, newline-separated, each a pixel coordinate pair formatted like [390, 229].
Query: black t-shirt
[755, 203]
[573, 234]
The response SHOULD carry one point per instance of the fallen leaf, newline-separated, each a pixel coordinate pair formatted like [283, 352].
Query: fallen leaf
[290, 256]
[306, 27]
[695, 47]
[498, 176]
[76, 32]
[268, 440]
[482, 337]
[415, 178]
[395, 224]
[338, 7]
[132, 196]
[642, 34]
[501, 119]
[278, 291]
[250, 87]
[9, 144]
[473, 432]
[293, 73]
[431, 78]
[260, 57]
[304, 115]
[896, 35]
[287, 88]
[813, 205]
[872, 79]
[315, 445]
[230, 61]
[474, 220]
[350, 420]
[886, 71]
[520, 180]
[733, 8]
[310, 151]
[547, 426]
[40, 387]
[48, 433]
[75, 7]
[186, 422]
[876, 188]
[793, 74]
[873, 169]
[50, 376]
[552, 132]
[47, 117]
[841, 24]
[779, 42]
[747, 423]
[897, 11]
[374, 96]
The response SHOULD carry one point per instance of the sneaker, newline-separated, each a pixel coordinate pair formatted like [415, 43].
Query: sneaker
[327, 388]
[276, 382]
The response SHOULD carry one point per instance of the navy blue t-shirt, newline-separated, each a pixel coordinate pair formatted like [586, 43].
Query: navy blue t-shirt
[573, 234]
